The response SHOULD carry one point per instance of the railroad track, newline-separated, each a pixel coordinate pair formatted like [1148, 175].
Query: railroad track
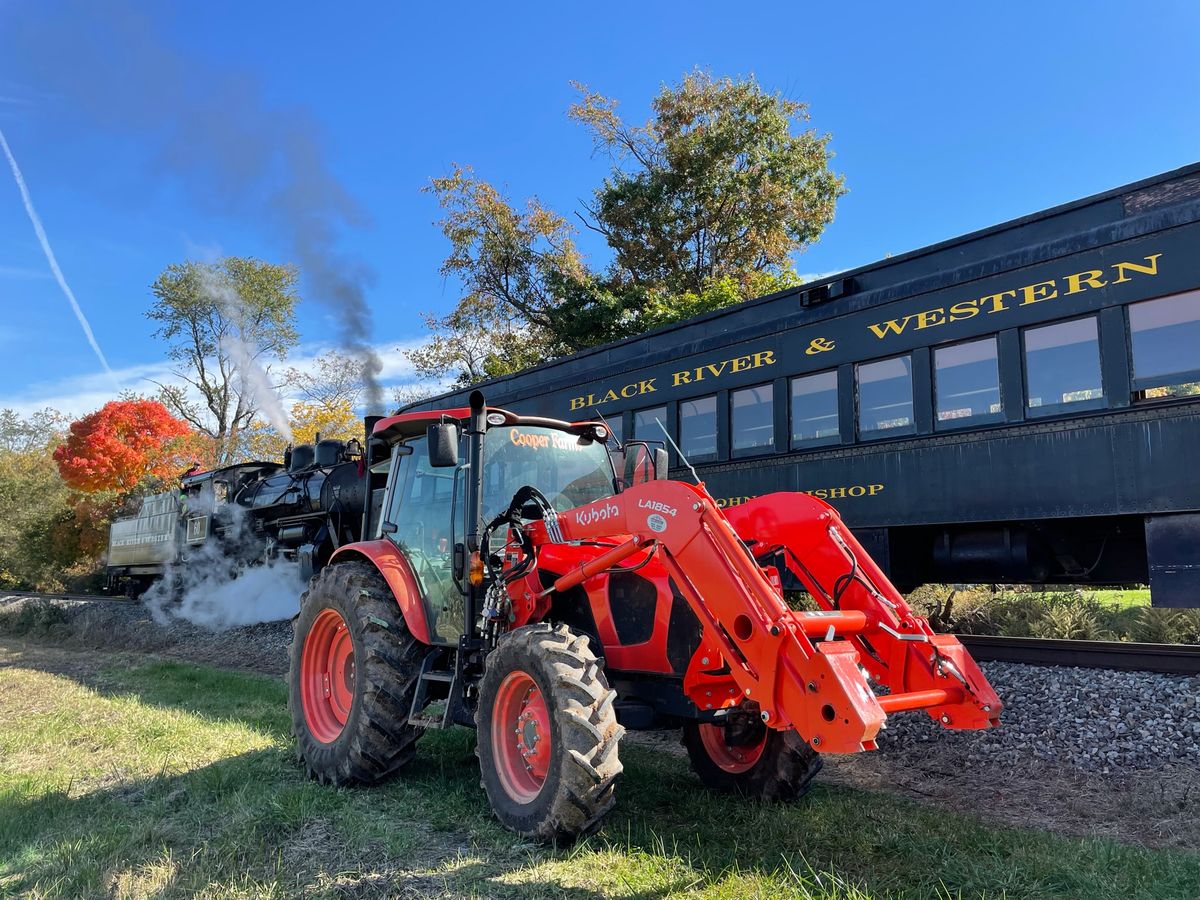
[57, 595]
[1167, 659]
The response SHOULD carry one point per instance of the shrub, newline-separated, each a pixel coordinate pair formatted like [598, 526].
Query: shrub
[977, 610]
[1167, 626]
[1081, 621]
[1067, 614]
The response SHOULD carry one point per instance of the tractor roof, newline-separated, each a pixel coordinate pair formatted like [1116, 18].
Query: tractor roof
[410, 424]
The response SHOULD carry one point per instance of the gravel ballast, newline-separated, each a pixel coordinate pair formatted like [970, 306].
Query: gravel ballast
[1088, 720]
[1093, 720]
[121, 625]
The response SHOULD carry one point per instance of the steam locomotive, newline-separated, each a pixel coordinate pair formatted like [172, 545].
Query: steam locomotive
[240, 515]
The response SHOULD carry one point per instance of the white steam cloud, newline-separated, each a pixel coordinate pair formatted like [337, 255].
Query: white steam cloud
[211, 589]
[212, 599]
[254, 384]
[45, 242]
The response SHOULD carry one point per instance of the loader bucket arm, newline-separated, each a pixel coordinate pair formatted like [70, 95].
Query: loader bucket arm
[801, 668]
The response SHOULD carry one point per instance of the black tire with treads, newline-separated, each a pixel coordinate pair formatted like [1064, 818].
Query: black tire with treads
[579, 787]
[376, 740]
[784, 771]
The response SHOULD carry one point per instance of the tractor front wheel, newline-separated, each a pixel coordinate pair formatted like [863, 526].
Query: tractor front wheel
[747, 758]
[548, 734]
[354, 670]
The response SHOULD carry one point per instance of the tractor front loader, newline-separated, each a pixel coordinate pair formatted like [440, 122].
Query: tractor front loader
[519, 583]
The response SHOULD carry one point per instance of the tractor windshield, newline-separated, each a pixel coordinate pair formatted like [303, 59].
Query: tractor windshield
[570, 470]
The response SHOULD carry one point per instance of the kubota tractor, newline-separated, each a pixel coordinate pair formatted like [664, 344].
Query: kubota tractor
[523, 584]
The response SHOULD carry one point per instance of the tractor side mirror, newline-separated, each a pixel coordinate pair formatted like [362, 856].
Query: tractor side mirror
[661, 466]
[643, 463]
[443, 445]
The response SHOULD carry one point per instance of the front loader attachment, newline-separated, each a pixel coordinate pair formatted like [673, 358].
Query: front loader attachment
[806, 671]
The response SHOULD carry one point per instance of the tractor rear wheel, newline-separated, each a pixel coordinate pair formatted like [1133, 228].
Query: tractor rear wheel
[354, 670]
[548, 734]
[751, 760]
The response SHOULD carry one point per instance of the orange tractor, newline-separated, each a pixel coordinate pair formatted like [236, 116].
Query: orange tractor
[530, 582]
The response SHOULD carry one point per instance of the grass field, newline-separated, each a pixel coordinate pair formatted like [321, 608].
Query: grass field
[174, 780]
[1125, 599]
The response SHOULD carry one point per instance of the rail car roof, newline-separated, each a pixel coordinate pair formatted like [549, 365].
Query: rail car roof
[411, 424]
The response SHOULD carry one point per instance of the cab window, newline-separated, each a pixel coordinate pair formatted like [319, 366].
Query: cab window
[569, 469]
[420, 507]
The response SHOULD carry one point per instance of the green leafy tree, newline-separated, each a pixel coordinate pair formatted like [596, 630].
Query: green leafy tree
[47, 532]
[511, 263]
[223, 323]
[714, 185]
[483, 338]
[706, 205]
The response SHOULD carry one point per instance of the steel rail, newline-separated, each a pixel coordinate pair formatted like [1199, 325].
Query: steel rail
[6, 595]
[1167, 659]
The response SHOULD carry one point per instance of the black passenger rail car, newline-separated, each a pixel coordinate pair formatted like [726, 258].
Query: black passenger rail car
[1021, 404]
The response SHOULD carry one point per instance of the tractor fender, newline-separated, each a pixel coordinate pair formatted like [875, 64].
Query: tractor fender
[387, 558]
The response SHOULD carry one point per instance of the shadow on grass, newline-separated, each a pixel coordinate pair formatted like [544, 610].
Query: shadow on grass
[253, 824]
[254, 821]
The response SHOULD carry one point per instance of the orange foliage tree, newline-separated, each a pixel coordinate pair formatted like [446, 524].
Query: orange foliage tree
[124, 444]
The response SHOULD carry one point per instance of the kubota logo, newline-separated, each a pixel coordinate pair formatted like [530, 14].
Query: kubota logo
[658, 506]
[597, 514]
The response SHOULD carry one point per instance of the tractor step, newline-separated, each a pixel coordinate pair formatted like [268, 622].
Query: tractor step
[422, 700]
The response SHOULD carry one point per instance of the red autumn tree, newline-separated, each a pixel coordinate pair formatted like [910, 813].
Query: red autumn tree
[123, 444]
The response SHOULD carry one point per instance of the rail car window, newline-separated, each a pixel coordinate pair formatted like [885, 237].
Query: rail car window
[966, 383]
[814, 408]
[1165, 338]
[752, 420]
[698, 428]
[645, 426]
[1062, 366]
[885, 397]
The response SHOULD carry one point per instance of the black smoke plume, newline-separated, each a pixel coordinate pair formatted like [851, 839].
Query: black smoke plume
[110, 67]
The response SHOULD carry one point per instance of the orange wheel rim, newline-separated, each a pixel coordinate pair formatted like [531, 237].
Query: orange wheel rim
[521, 738]
[734, 760]
[327, 676]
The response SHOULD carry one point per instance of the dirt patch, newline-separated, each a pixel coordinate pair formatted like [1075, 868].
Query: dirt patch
[1154, 808]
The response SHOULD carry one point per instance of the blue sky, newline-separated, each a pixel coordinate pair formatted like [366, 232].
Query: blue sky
[945, 118]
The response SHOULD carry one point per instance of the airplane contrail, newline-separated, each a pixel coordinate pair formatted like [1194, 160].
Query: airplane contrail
[41, 236]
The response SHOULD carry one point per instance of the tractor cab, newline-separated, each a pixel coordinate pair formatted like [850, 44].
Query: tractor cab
[437, 468]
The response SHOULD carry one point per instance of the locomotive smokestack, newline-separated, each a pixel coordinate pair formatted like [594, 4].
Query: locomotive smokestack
[368, 431]
[369, 427]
